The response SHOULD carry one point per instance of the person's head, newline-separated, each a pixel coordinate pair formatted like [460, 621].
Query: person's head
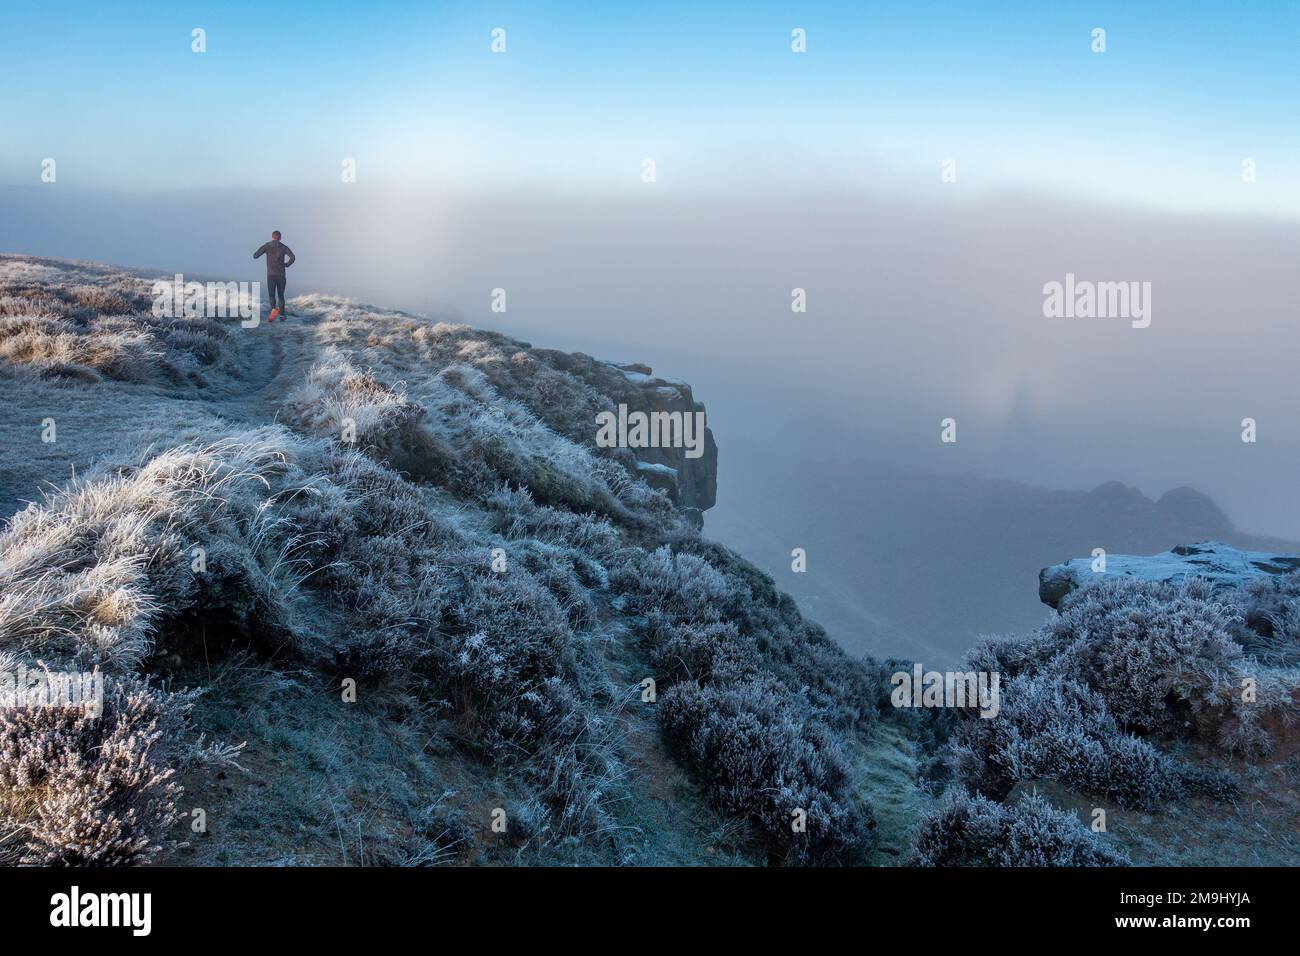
[275, 234]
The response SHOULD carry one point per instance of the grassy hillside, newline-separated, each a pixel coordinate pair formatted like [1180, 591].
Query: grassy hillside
[241, 525]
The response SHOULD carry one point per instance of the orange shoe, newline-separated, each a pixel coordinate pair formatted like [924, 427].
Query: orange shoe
[274, 313]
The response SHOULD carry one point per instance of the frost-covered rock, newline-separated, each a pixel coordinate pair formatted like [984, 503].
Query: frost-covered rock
[1220, 564]
[690, 482]
[591, 386]
[659, 476]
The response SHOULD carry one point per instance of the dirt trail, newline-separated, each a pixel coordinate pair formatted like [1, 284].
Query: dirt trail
[277, 357]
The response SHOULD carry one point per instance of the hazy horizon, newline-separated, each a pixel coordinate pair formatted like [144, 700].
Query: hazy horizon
[915, 312]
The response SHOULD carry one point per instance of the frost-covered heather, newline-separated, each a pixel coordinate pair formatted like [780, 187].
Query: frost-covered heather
[450, 426]
[1272, 610]
[971, 830]
[1100, 697]
[77, 790]
[753, 732]
[1051, 728]
[1165, 661]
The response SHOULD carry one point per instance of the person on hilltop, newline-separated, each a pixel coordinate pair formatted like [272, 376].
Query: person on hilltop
[278, 258]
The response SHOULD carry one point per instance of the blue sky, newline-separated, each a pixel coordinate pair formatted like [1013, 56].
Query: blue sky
[711, 91]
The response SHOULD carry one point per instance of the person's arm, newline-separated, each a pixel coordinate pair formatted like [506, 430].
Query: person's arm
[261, 250]
[290, 258]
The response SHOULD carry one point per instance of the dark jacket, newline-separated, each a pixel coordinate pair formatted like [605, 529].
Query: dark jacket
[278, 255]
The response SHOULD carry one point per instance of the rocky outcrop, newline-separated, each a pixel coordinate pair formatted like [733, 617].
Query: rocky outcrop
[1220, 564]
[695, 479]
[692, 483]
[569, 390]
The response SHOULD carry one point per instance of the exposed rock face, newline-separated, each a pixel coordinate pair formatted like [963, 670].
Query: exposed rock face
[696, 479]
[1221, 565]
[567, 390]
[692, 483]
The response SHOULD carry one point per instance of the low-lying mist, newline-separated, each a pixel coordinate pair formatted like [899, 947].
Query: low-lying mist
[918, 309]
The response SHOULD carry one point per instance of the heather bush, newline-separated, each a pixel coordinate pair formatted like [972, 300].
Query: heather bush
[516, 515]
[759, 757]
[971, 830]
[715, 651]
[85, 789]
[422, 597]
[1013, 655]
[682, 586]
[1157, 655]
[499, 646]
[569, 576]
[760, 739]
[1271, 606]
[693, 582]
[840, 690]
[1164, 661]
[1052, 728]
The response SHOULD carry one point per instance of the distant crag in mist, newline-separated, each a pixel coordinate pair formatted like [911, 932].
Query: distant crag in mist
[922, 565]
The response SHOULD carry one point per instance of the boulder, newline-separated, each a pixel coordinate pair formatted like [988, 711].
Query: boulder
[1220, 564]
